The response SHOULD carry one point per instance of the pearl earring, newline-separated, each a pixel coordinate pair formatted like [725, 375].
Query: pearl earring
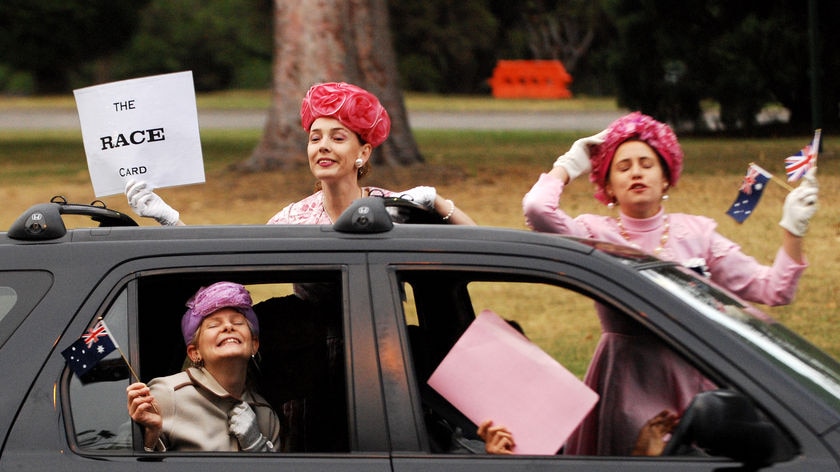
[359, 162]
[665, 197]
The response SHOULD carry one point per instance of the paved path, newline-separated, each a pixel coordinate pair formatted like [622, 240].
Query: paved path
[244, 119]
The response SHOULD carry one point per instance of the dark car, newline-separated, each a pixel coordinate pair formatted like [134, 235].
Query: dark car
[354, 317]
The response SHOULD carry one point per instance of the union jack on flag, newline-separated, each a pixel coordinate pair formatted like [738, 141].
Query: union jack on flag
[798, 164]
[750, 180]
[93, 334]
[749, 193]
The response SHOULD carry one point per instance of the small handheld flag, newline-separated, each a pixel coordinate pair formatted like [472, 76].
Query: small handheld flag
[749, 194]
[91, 348]
[798, 164]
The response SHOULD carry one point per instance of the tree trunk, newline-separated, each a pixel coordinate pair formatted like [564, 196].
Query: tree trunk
[330, 41]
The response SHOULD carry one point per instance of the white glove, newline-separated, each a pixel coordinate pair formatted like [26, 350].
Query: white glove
[421, 195]
[146, 203]
[800, 205]
[576, 160]
[242, 423]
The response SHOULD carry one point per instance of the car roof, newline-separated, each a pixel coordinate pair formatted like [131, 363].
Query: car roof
[43, 224]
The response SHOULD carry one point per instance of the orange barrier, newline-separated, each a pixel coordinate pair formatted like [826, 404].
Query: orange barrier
[530, 79]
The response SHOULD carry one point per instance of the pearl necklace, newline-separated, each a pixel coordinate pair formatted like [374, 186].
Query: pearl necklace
[662, 241]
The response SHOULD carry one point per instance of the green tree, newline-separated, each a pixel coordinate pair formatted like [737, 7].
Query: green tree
[669, 56]
[561, 30]
[50, 38]
[444, 46]
[756, 46]
[654, 72]
[226, 43]
[576, 32]
[789, 70]
[452, 47]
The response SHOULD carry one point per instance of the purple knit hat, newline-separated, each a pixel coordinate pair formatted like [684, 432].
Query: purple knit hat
[355, 107]
[208, 300]
[635, 125]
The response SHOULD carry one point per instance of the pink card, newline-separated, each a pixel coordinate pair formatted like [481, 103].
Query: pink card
[495, 373]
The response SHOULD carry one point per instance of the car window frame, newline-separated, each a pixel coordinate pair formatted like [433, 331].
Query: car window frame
[355, 281]
[568, 276]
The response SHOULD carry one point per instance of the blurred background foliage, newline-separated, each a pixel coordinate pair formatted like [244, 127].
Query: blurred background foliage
[669, 59]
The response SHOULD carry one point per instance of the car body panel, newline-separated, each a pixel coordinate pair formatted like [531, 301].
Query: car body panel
[69, 281]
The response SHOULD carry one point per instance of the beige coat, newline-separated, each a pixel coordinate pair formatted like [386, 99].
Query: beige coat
[195, 411]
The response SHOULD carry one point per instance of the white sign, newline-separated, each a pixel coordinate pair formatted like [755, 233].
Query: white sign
[143, 129]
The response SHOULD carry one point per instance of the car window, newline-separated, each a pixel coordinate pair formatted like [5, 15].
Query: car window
[565, 323]
[815, 370]
[299, 370]
[100, 418]
[439, 308]
[569, 334]
[20, 291]
[8, 297]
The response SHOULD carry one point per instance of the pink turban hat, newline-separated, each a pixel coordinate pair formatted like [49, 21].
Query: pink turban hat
[208, 300]
[355, 107]
[635, 126]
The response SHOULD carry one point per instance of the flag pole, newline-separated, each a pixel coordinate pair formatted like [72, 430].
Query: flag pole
[125, 359]
[781, 182]
[122, 354]
[128, 364]
[777, 180]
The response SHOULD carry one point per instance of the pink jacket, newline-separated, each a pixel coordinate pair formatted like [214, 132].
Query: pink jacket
[693, 240]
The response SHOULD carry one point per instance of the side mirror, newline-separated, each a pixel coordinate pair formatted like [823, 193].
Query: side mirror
[726, 423]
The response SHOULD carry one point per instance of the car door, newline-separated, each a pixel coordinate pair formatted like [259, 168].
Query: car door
[439, 294]
[317, 372]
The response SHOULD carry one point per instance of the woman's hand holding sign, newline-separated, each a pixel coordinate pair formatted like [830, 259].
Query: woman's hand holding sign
[148, 204]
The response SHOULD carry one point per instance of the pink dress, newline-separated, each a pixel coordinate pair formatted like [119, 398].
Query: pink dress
[635, 374]
[310, 210]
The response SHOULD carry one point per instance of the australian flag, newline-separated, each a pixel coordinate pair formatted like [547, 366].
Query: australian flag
[750, 192]
[91, 348]
[798, 164]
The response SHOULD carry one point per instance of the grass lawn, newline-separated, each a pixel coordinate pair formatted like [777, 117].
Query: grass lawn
[261, 99]
[485, 173]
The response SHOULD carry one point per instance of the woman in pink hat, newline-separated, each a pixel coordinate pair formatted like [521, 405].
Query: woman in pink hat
[633, 164]
[344, 123]
[209, 406]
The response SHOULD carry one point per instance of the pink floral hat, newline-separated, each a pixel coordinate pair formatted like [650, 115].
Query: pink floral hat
[635, 125]
[355, 107]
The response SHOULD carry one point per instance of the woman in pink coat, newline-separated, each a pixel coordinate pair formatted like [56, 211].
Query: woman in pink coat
[633, 164]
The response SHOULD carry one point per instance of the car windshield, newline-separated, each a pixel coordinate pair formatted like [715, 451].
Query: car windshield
[813, 368]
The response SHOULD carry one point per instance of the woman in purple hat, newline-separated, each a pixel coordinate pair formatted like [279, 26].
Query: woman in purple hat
[633, 164]
[209, 406]
[344, 123]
